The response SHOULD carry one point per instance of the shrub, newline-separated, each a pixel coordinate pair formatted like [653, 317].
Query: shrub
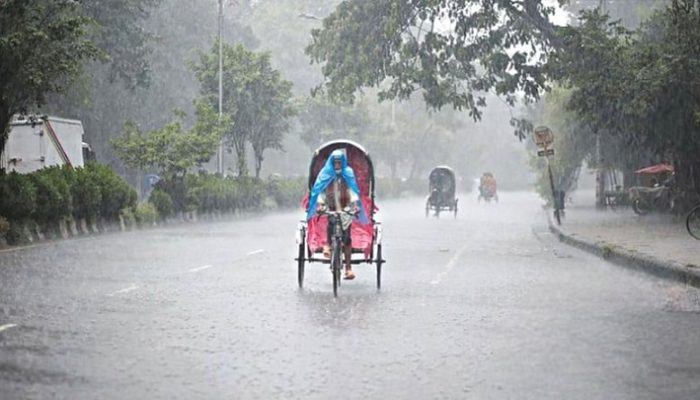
[162, 203]
[48, 199]
[145, 214]
[17, 197]
[87, 196]
[60, 192]
[251, 193]
[286, 192]
[115, 193]
[14, 234]
[176, 188]
[128, 217]
[4, 226]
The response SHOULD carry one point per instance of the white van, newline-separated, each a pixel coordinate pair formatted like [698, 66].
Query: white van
[35, 142]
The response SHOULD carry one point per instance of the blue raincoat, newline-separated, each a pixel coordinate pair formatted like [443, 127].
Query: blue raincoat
[327, 175]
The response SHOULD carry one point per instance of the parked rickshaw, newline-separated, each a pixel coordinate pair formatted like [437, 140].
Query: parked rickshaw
[442, 186]
[654, 189]
[366, 238]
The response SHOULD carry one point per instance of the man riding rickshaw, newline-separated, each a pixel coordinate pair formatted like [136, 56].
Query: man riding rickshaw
[442, 191]
[340, 227]
[487, 187]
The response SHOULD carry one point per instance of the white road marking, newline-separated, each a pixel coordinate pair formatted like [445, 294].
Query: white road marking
[202, 268]
[256, 252]
[125, 290]
[450, 264]
[6, 327]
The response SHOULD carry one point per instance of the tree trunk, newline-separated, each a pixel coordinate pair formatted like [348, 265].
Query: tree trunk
[413, 169]
[687, 178]
[394, 168]
[242, 165]
[5, 117]
[258, 163]
[628, 178]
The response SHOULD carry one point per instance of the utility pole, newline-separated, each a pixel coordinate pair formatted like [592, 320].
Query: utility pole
[220, 153]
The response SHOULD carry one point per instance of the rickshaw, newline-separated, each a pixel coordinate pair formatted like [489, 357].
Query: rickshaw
[366, 238]
[441, 191]
[654, 190]
[487, 188]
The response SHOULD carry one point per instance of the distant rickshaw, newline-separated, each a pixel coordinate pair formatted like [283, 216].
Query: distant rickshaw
[487, 188]
[441, 191]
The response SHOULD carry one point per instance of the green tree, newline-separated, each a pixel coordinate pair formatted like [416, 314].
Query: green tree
[271, 112]
[172, 149]
[149, 44]
[121, 34]
[43, 45]
[453, 51]
[641, 89]
[255, 97]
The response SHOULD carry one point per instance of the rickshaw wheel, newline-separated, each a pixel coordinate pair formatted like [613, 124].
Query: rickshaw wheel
[692, 222]
[335, 269]
[641, 207]
[300, 266]
[455, 209]
[427, 210]
[379, 266]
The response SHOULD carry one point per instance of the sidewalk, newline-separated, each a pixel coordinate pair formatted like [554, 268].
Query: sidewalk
[654, 242]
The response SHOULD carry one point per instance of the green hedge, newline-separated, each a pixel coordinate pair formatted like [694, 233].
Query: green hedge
[212, 193]
[286, 192]
[162, 203]
[53, 194]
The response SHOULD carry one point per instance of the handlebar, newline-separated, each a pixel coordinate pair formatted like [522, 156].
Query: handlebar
[351, 212]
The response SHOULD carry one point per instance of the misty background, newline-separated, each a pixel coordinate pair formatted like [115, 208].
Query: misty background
[153, 44]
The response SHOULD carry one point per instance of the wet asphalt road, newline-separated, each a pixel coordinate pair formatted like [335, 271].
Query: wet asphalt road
[487, 306]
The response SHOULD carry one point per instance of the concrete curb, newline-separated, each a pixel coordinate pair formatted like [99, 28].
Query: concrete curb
[630, 259]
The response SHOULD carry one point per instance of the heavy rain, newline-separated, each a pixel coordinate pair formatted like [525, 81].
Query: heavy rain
[313, 199]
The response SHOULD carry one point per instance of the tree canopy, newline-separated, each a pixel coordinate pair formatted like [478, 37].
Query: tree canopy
[43, 45]
[255, 96]
[640, 88]
[452, 51]
[172, 150]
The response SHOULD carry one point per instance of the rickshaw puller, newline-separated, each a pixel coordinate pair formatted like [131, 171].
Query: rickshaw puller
[336, 189]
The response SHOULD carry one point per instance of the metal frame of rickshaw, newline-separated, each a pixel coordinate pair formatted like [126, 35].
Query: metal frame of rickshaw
[454, 204]
[305, 254]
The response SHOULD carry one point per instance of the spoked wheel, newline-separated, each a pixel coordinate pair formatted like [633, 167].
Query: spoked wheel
[300, 259]
[300, 265]
[641, 207]
[335, 269]
[379, 263]
[455, 208]
[692, 222]
[427, 210]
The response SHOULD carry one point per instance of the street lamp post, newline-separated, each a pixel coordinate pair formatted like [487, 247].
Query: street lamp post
[220, 153]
